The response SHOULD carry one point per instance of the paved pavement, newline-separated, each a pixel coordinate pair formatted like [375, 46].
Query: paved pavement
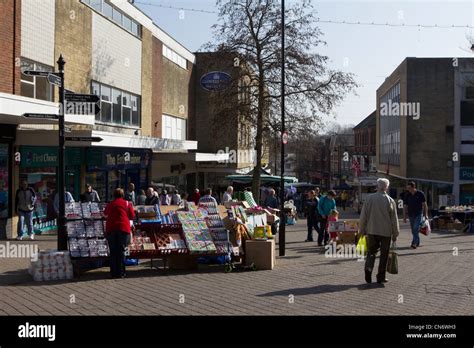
[432, 280]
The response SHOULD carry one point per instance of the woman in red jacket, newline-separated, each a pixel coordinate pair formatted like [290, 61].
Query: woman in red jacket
[118, 214]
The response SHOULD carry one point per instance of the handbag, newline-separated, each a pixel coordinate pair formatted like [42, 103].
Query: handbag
[361, 248]
[392, 263]
[425, 227]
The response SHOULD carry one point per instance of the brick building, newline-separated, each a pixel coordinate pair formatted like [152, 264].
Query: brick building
[145, 81]
[430, 140]
[365, 144]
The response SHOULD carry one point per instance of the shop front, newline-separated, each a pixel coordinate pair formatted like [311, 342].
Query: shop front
[109, 168]
[38, 166]
[7, 137]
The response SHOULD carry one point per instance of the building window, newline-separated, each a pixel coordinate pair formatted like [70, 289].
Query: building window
[390, 130]
[117, 107]
[35, 86]
[174, 57]
[173, 128]
[111, 12]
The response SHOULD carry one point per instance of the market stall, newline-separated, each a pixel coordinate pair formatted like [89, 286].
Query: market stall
[180, 236]
[454, 218]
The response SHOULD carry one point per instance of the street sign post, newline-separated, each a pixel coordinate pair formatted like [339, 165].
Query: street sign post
[88, 139]
[36, 73]
[62, 229]
[42, 116]
[54, 79]
[82, 98]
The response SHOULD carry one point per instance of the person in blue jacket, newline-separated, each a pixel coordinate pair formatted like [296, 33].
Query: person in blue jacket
[325, 205]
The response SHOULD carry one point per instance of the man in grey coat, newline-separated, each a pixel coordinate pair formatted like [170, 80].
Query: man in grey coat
[379, 221]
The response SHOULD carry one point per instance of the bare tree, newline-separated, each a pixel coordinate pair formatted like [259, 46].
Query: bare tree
[251, 29]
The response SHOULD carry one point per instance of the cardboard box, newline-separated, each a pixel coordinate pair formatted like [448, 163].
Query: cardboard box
[261, 253]
[351, 226]
[336, 226]
[347, 238]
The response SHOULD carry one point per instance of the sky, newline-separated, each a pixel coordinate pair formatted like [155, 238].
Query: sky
[370, 52]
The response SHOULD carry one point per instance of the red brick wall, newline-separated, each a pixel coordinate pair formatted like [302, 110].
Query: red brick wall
[10, 46]
[157, 89]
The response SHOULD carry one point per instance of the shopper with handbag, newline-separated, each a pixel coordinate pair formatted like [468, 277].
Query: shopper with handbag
[414, 205]
[379, 221]
[118, 215]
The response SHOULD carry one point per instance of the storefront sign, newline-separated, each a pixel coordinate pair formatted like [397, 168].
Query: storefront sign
[106, 159]
[466, 174]
[42, 156]
[215, 81]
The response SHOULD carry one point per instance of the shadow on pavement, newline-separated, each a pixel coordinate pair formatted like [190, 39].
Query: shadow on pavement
[319, 289]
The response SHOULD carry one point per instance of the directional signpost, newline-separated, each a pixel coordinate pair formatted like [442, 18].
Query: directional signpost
[54, 79]
[42, 116]
[82, 104]
[35, 73]
[82, 98]
[88, 139]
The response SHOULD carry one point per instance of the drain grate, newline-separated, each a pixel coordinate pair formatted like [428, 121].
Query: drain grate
[447, 289]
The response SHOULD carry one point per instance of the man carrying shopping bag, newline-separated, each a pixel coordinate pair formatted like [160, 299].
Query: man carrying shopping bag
[379, 221]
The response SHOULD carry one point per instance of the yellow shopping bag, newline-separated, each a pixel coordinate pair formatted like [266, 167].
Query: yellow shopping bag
[361, 248]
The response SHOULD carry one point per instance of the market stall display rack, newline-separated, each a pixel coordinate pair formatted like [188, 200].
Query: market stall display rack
[163, 240]
[86, 240]
[447, 218]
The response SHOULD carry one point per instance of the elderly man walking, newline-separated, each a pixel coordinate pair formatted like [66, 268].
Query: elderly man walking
[379, 221]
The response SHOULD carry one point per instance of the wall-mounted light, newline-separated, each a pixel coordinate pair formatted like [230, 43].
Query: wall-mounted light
[137, 132]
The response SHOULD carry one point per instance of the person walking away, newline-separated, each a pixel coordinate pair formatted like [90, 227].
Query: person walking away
[196, 196]
[344, 197]
[118, 214]
[24, 205]
[333, 217]
[207, 198]
[67, 199]
[414, 205]
[91, 195]
[151, 197]
[379, 222]
[312, 215]
[130, 194]
[176, 198]
[326, 204]
[227, 197]
[141, 199]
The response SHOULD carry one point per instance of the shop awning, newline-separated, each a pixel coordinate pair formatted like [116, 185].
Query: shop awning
[263, 178]
[191, 157]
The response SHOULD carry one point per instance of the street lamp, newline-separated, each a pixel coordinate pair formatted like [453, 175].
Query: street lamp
[281, 237]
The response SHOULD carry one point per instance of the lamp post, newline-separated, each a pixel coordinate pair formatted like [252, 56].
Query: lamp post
[281, 237]
[62, 232]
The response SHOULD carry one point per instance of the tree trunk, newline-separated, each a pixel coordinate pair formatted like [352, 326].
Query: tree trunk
[259, 137]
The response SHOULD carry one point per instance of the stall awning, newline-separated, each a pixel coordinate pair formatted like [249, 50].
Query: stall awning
[263, 178]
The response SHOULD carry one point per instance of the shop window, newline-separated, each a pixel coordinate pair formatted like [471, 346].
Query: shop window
[4, 181]
[467, 161]
[35, 86]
